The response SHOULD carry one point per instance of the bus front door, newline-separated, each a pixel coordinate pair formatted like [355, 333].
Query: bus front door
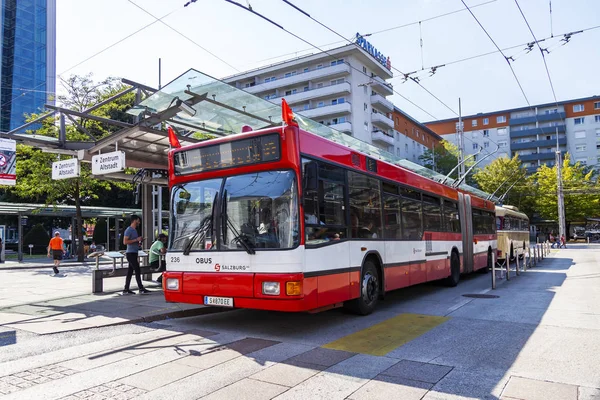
[466, 226]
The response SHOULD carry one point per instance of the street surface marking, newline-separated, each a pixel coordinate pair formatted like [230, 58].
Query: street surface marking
[380, 339]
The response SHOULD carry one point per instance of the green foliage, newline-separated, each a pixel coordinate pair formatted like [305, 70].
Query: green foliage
[580, 192]
[38, 237]
[443, 157]
[202, 136]
[498, 177]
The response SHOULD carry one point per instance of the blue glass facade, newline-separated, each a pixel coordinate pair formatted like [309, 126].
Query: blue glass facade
[24, 69]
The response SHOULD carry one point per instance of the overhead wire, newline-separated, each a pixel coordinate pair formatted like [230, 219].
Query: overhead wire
[323, 51]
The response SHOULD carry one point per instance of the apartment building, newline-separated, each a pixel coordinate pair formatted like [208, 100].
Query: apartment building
[411, 138]
[533, 133]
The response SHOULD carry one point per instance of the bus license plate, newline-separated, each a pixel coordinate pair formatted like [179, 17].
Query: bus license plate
[218, 301]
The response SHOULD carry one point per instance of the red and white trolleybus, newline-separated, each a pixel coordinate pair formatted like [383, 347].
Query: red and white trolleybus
[284, 219]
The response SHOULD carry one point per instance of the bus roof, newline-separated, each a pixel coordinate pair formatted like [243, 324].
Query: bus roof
[215, 107]
[502, 211]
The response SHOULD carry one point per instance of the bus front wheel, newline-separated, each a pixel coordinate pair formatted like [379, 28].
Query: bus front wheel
[454, 277]
[369, 290]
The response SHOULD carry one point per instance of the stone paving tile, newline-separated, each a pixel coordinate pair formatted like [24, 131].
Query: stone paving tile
[107, 391]
[156, 377]
[418, 371]
[247, 389]
[289, 375]
[384, 387]
[29, 378]
[321, 356]
[586, 393]
[531, 389]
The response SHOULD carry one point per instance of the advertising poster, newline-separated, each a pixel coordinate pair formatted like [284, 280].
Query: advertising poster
[8, 162]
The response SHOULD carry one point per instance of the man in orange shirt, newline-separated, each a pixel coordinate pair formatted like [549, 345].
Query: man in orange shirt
[56, 248]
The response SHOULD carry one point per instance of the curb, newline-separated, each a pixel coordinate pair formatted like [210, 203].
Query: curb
[25, 266]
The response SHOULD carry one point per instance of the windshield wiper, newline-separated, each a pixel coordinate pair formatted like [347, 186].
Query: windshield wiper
[203, 228]
[226, 222]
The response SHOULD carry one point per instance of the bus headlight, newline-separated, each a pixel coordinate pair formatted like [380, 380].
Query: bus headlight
[293, 288]
[173, 284]
[271, 288]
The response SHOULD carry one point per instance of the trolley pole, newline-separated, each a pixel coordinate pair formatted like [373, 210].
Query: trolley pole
[561, 199]
[461, 143]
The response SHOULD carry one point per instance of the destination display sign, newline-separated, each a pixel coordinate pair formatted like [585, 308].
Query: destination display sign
[108, 163]
[65, 169]
[226, 155]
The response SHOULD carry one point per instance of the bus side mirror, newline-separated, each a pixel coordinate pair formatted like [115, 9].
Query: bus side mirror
[310, 180]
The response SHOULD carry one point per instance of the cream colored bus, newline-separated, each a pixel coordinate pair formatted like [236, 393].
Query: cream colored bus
[512, 228]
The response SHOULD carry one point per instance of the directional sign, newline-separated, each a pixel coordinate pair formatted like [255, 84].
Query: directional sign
[65, 169]
[108, 163]
[8, 162]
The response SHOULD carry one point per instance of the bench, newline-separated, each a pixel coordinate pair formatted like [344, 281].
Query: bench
[98, 274]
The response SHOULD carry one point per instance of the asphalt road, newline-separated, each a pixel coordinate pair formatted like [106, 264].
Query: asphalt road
[538, 339]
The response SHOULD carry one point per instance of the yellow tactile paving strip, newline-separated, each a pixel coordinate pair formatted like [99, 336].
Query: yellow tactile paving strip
[380, 339]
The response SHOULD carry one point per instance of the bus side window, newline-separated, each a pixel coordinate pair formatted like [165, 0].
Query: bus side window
[412, 227]
[365, 205]
[432, 213]
[451, 219]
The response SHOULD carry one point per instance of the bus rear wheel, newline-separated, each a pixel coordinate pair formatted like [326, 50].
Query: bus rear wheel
[454, 277]
[369, 290]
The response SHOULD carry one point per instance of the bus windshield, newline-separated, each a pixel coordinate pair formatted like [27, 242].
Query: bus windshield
[251, 211]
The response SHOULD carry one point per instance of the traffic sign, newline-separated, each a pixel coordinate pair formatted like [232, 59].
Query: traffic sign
[108, 163]
[65, 169]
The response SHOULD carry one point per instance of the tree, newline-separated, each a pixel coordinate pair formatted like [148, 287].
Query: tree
[443, 158]
[34, 168]
[581, 192]
[506, 175]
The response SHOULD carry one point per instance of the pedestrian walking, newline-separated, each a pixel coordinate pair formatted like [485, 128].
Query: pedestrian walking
[56, 251]
[563, 242]
[552, 241]
[157, 250]
[133, 241]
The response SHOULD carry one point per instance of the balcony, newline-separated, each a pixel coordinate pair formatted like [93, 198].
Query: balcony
[382, 138]
[539, 117]
[343, 108]
[382, 86]
[325, 72]
[535, 131]
[381, 121]
[345, 127]
[538, 143]
[342, 88]
[382, 103]
[540, 156]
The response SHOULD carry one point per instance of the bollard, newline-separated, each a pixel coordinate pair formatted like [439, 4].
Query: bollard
[517, 263]
[507, 267]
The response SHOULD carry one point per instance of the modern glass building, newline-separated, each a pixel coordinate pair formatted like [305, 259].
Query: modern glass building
[28, 54]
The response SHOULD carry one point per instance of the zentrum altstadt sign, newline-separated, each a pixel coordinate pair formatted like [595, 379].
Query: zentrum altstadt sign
[369, 48]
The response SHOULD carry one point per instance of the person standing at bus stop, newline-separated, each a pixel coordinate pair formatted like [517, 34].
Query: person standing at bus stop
[133, 241]
[157, 252]
[56, 248]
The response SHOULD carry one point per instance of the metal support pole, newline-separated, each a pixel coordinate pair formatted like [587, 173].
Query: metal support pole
[20, 245]
[493, 272]
[561, 199]
[517, 263]
[74, 235]
[108, 234]
[147, 215]
[507, 267]
[117, 231]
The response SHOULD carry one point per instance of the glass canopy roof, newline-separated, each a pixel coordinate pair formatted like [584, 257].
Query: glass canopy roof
[221, 109]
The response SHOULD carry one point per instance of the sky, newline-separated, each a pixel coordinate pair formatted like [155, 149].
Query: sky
[243, 41]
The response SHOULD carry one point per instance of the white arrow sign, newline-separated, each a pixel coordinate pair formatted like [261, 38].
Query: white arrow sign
[65, 169]
[108, 163]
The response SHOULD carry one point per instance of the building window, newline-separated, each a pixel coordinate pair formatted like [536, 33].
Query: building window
[501, 119]
[502, 144]
[596, 118]
[581, 161]
[475, 157]
[288, 74]
[306, 88]
[366, 126]
[486, 121]
[551, 111]
[579, 121]
[475, 146]
[486, 144]
[578, 108]
[597, 132]
[319, 85]
[486, 133]
[288, 92]
[306, 107]
[580, 148]
[580, 135]
[366, 107]
[306, 69]
[474, 122]
[365, 70]
[501, 131]
[338, 101]
[337, 81]
[597, 105]
[337, 62]
[398, 152]
[321, 104]
[406, 147]
[319, 66]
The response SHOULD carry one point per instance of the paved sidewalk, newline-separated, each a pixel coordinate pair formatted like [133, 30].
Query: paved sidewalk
[35, 301]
